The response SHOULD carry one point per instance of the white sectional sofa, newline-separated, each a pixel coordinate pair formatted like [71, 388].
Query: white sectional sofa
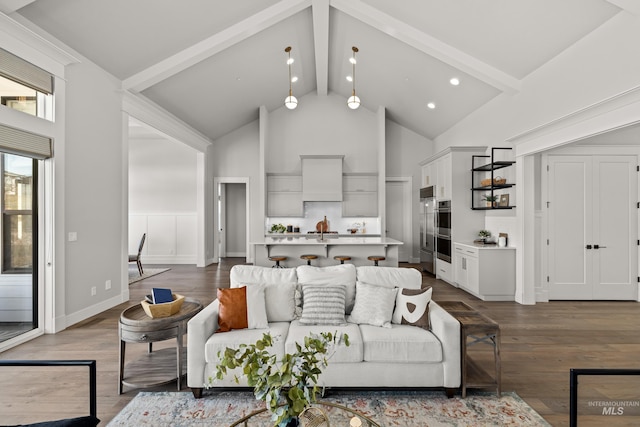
[398, 355]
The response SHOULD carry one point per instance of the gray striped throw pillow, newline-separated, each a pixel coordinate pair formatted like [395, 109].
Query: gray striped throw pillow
[323, 305]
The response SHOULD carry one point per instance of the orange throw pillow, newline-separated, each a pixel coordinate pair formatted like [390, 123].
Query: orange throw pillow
[232, 311]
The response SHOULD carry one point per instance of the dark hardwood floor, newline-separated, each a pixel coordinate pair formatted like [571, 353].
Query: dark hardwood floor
[540, 344]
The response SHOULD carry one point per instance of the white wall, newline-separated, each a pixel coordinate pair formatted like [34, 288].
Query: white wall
[322, 125]
[405, 149]
[162, 200]
[237, 155]
[92, 188]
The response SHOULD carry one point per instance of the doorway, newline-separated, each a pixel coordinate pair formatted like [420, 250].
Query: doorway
[398, 210]
[592, 227]
[231, 231]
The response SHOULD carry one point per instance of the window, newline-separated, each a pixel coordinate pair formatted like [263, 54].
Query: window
[17, 213]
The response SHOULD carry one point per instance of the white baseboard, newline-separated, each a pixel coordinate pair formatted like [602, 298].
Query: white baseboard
[236, 254]
[79, 316]
[168, 259]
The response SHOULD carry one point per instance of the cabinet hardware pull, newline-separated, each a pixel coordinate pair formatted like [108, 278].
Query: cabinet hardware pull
[144, 337]
[588, 246]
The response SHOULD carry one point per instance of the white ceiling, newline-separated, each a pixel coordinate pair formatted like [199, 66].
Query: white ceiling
[213, 63]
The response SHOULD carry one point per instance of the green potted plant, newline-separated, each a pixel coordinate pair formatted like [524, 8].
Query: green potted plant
[289, 385]
[490, 199]
[484, 235]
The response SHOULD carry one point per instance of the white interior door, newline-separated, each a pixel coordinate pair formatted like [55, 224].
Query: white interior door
[398, 223]
[592, 222]
[615, 237]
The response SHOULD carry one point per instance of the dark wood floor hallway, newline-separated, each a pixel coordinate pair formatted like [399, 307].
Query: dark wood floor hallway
[540, 344]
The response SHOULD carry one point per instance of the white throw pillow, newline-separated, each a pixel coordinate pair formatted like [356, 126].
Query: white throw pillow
[374, 305]
[280, 301]
[412, 307]
[256, 309]
[323, 304]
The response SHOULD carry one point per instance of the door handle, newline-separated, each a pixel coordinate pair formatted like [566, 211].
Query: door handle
[599, 247]
[588, 246]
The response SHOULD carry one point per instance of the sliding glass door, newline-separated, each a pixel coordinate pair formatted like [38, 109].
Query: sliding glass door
[18, 284]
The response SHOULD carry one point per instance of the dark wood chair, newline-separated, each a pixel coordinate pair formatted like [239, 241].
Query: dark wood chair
[136, 258]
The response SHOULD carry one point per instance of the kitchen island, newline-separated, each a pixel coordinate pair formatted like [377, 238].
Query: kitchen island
[326, 247]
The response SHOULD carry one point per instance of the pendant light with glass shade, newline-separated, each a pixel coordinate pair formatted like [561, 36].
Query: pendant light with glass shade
[290, 101]
[353, 102]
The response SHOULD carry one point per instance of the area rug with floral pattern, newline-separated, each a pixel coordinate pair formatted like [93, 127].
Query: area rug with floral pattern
[385, 408]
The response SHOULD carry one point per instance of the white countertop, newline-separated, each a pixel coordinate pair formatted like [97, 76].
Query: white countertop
[481, 246]
[329, 239]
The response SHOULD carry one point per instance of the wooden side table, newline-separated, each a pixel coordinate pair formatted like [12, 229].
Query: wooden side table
[475, 328]
[156, 367]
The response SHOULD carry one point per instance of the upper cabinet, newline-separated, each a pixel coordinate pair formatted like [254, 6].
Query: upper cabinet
[360, 195]
[321, 178]
[490, 182]
[438, 173]
[284, 195]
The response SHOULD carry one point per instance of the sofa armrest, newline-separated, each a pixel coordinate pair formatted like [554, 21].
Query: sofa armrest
[200, 328]
[447, 329]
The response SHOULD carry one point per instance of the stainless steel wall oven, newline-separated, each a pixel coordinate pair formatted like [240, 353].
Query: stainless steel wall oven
[443, 230]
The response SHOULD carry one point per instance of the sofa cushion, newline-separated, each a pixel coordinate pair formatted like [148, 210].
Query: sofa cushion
[249, 274]
[412, 307]
[374, 305]
[390, 276]
[323, 305]
[343, 274]
[401, 344]
[241, 308]
[343, 354]
[219, 342]
[280, 288]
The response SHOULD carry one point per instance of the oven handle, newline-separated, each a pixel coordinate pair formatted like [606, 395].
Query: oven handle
[442, 236]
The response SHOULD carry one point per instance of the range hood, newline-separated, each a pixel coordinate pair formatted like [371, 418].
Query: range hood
[321, 178]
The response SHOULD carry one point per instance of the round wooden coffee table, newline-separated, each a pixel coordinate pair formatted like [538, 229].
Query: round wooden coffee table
[159, 367]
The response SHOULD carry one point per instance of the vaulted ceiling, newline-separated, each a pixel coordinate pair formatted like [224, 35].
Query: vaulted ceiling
[213, 63]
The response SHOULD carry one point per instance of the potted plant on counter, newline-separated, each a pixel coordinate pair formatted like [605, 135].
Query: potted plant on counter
[289, 385]
[484, 235]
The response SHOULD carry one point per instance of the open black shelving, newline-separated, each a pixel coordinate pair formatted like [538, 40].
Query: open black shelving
[491, 167]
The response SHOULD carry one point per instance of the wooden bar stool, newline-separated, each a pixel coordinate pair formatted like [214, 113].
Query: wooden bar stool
[308, 258]
[342, 258]
[277, 259]
[375, 259]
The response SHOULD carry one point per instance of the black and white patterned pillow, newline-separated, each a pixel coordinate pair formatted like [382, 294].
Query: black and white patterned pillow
[412, 307]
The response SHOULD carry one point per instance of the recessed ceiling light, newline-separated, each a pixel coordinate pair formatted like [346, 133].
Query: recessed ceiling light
[455, 81]
[349, 78]
[431, 105]
[294, 79]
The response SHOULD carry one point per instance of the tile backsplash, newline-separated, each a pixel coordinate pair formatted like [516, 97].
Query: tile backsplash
[316, 211]
[502, 224]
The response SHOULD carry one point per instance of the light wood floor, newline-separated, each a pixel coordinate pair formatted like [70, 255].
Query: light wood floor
[540, 344]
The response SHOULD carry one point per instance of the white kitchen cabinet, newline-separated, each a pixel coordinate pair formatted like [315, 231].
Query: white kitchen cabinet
[284, 195]
[360, 196]
[428, 178]
[487, 272]
[444, 271]
[321, 178]
[443, 177]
